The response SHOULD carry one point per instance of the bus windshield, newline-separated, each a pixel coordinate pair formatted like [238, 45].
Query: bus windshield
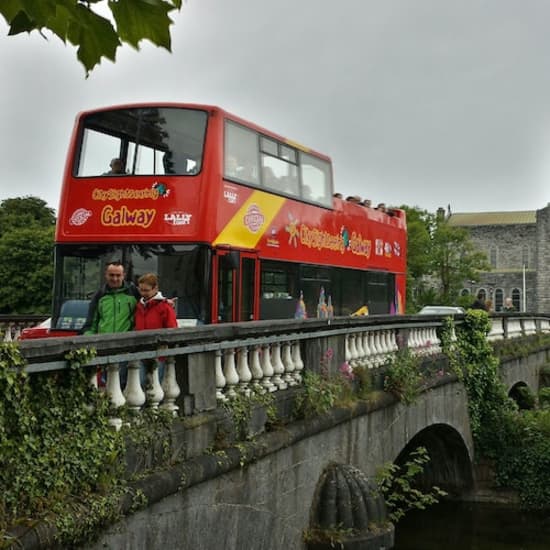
[181, 268]
[148, 141]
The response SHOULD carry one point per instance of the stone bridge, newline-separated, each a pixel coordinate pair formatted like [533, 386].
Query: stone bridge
[261, 492]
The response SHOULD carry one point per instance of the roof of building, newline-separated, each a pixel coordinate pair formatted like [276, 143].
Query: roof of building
[493, 218]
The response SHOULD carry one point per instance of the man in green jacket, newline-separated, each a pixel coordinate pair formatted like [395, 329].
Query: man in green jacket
[112, 306]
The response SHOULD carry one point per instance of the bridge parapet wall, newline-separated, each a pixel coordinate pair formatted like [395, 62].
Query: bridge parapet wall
[205, 364]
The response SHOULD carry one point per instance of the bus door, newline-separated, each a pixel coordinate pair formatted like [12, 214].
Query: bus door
[236, 286]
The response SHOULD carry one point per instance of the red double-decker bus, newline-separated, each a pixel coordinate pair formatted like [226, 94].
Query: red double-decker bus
[238, 222]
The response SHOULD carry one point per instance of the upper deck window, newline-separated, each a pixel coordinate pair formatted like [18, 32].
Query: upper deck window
[148, 141]
[265, 162]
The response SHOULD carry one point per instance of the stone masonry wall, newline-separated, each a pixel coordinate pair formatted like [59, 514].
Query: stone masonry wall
[510, 241]
[543, 260]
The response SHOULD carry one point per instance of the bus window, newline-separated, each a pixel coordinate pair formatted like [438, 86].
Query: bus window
[316, 180]
[278, 290]
[182, 271]
[241, 154]
[148, 140]
[226, 272]
[97, 151]
[247, 289]
[279, 169]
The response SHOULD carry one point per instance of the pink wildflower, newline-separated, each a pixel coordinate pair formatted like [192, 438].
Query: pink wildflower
[346, 371]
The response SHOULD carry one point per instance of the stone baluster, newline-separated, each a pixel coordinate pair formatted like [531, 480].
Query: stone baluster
[278, 366]
[379, 356]
[347, 350]
[422, 347]
[432, 341]
[7, 336]
[256, 369]
[394, 348]
[220, 378]
[230, 372]
[170, 386]
[360, 349]
[297, 360]
[267, 369]
[353, 355]
[289, 364]
[370, 352]
[17, 333]
[133, 392]
[114, 392]
[514, 328]
[497, 329]
[153, 389]
[529, 327]
[384, 343]
[413, 341]
[245, 376]
[93, 377]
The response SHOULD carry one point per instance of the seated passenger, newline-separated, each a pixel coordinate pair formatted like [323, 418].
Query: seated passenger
[268, 176]
[231, 166]
[117, 168]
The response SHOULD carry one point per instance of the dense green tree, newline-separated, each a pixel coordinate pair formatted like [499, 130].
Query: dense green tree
[25, 212]
[419, 223]
[455, 259]
[439, 259]
[95, 36]
[26, 247]
[26, 270]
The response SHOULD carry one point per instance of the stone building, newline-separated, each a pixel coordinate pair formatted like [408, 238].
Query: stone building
[517, 245]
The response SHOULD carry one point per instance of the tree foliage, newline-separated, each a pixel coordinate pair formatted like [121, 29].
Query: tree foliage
[25, 212]
[454, 259]
[440, 258]
[26, 248]
[95, 36]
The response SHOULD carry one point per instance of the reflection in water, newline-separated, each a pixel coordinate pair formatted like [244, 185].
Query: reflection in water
[473, 526]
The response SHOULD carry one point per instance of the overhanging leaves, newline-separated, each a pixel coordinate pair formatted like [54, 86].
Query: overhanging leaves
[94, 36]
[141, 19]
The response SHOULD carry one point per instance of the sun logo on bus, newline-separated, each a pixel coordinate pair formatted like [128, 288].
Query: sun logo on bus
[292, 230]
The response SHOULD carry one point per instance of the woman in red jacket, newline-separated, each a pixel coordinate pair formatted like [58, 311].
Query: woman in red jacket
[153, 310]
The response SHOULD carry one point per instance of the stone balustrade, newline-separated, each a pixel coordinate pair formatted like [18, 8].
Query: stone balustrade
[209, 365]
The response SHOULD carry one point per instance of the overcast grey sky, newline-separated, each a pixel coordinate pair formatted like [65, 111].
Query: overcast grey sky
[418, 102]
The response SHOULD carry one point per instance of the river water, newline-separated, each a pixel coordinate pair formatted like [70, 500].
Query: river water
[473, 526]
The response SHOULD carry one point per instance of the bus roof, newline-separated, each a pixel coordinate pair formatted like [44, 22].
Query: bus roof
[213, 110]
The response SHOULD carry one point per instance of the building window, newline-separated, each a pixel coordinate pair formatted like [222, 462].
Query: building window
[465, 292]
[499, 299]
[493, 256]
[482, 293]
[516, 299]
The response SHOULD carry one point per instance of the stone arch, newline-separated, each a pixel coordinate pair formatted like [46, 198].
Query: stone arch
[449, 467]
[522, 395]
